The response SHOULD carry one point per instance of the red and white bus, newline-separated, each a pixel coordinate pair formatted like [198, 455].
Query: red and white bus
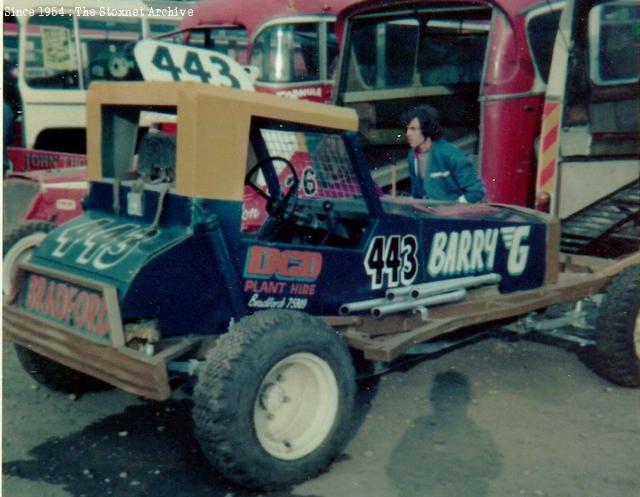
[292, 45]
[543, 95]
[290, 48]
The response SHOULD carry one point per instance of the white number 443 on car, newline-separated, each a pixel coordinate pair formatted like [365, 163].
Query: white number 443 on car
[162, 61]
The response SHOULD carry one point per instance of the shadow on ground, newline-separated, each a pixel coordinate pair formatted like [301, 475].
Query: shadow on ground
[445, 453]
[148, 450]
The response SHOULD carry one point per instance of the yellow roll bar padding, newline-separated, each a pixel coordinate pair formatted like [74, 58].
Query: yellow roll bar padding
[213, 128]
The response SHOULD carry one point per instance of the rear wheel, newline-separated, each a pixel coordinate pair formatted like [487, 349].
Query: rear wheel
[56, 376]
[618, 338]
[274, 399]
[17, 247]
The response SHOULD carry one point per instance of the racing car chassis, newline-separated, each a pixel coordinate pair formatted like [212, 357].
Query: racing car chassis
[384, 339]
[161, 278]
[387, 339]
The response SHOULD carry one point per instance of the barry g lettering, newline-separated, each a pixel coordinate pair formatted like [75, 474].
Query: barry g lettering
[466, 251]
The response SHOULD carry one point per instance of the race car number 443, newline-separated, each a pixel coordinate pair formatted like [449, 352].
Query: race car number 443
[162, 61]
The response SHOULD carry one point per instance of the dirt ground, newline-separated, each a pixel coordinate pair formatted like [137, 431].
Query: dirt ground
[495, 418]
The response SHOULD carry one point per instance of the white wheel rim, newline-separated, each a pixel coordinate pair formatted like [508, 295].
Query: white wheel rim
[20, 251]
[296, 406]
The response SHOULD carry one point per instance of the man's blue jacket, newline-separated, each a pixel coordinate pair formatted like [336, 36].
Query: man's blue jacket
[449, 176]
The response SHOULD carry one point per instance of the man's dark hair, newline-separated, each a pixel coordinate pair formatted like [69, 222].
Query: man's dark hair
[428, 118]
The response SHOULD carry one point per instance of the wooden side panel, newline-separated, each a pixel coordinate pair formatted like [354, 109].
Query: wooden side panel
[472, 311]
[130, 371]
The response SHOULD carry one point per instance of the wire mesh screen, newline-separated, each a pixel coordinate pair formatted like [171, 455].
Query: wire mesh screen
[321, 161]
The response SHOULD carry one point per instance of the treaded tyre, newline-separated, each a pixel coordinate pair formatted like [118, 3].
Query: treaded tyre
[618, 325]
[56, 376]
[274, 399]
[17, 246]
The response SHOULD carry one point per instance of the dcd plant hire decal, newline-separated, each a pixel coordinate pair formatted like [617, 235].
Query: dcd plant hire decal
[283, 273]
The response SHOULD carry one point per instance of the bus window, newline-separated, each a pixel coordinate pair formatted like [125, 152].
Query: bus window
[229, 41]
[384, 53]
[51, 60]
[10, 40]
[452, 52]
[199, 38]
[614, 38]
[106, 47]
[10, 93]
[333, 50]
[287, 53]
[158, 27]
[541, 32]
[417, 51]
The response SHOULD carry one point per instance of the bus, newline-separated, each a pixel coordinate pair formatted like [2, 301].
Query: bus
[292, 46]
[543, 95]
[290, 49]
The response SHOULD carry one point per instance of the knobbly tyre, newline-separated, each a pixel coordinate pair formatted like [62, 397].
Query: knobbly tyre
[157, 279]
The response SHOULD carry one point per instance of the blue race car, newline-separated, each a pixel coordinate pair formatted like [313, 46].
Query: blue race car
[163, 275]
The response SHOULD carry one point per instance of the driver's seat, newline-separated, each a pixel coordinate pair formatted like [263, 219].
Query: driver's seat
[157, 157]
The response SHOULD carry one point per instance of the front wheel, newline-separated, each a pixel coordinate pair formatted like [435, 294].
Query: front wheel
[56, 376]
[618, 325]
[274, 399]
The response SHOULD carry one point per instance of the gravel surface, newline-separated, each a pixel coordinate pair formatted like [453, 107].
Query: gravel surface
[495, 418]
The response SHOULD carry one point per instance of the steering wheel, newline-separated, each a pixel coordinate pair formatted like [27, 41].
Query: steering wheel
[279, 206]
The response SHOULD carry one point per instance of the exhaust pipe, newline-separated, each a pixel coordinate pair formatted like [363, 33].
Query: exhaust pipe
[436, 287]
[362, 305]
[425, 290]
[403, 296]
[405, 305]
[403, 291]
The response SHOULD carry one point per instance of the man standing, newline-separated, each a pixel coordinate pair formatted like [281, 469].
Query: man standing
[438, 169]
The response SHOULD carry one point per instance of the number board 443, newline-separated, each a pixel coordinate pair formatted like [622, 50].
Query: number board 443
[162, 61]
